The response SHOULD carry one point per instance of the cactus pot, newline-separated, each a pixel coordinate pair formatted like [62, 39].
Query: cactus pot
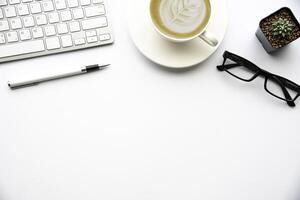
[265, 34]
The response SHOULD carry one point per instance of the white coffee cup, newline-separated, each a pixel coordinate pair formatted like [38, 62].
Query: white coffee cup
[201, 31]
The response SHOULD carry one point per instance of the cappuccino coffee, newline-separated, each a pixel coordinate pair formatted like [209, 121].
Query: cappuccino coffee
[180, 18]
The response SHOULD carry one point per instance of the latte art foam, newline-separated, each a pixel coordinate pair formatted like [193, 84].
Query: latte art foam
[180, 18]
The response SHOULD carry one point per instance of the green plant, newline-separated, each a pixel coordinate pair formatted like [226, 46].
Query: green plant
[282, 28]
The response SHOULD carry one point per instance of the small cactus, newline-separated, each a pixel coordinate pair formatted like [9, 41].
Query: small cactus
[282, 28]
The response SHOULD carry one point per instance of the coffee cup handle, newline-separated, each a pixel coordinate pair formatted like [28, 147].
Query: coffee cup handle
[209, 38]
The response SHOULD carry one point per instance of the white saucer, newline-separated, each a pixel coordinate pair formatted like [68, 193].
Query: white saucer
[169, 54]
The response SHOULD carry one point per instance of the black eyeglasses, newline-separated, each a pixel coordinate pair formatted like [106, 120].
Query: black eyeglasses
[275, 85]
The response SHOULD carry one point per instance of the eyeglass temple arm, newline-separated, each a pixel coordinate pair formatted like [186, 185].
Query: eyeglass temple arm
[287, 84]
[291, 86]
[228, 66]
[286, 93]
[250, 66]
[284, 81]
[288, 96]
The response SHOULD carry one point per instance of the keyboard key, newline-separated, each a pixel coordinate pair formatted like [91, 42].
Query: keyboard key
[66, 41]
[92, 39]
[2, 38]
[47, 6]
[78, 13]
[4, 26]
[50, 30]
[94, 11]
[12, 36]
[28, 21]
[16, 23]
[72, 3]
[79, 41]
[60, 4]
[41, 19]
[21, 48]
[62, 28]
[23, 9]
[90, 33]
[74, 26]
[1, 14]
[85, 2]
[97, 1]
[10, 11]
[53, 17]
[25, 35]
[104, 37]
[35, 8]
[37, 32]
[11, 2]
[3, 2]
[65, 15]
[52, 43]
[94, 23]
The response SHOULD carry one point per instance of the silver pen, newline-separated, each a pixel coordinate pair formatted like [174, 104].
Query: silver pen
[83, 70]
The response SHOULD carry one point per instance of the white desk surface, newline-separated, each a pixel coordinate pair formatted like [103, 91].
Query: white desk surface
[137, 131]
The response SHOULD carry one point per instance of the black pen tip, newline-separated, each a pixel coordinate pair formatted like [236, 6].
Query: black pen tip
[104, 66]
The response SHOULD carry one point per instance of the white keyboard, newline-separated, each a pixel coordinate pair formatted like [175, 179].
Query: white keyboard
[30, 28]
